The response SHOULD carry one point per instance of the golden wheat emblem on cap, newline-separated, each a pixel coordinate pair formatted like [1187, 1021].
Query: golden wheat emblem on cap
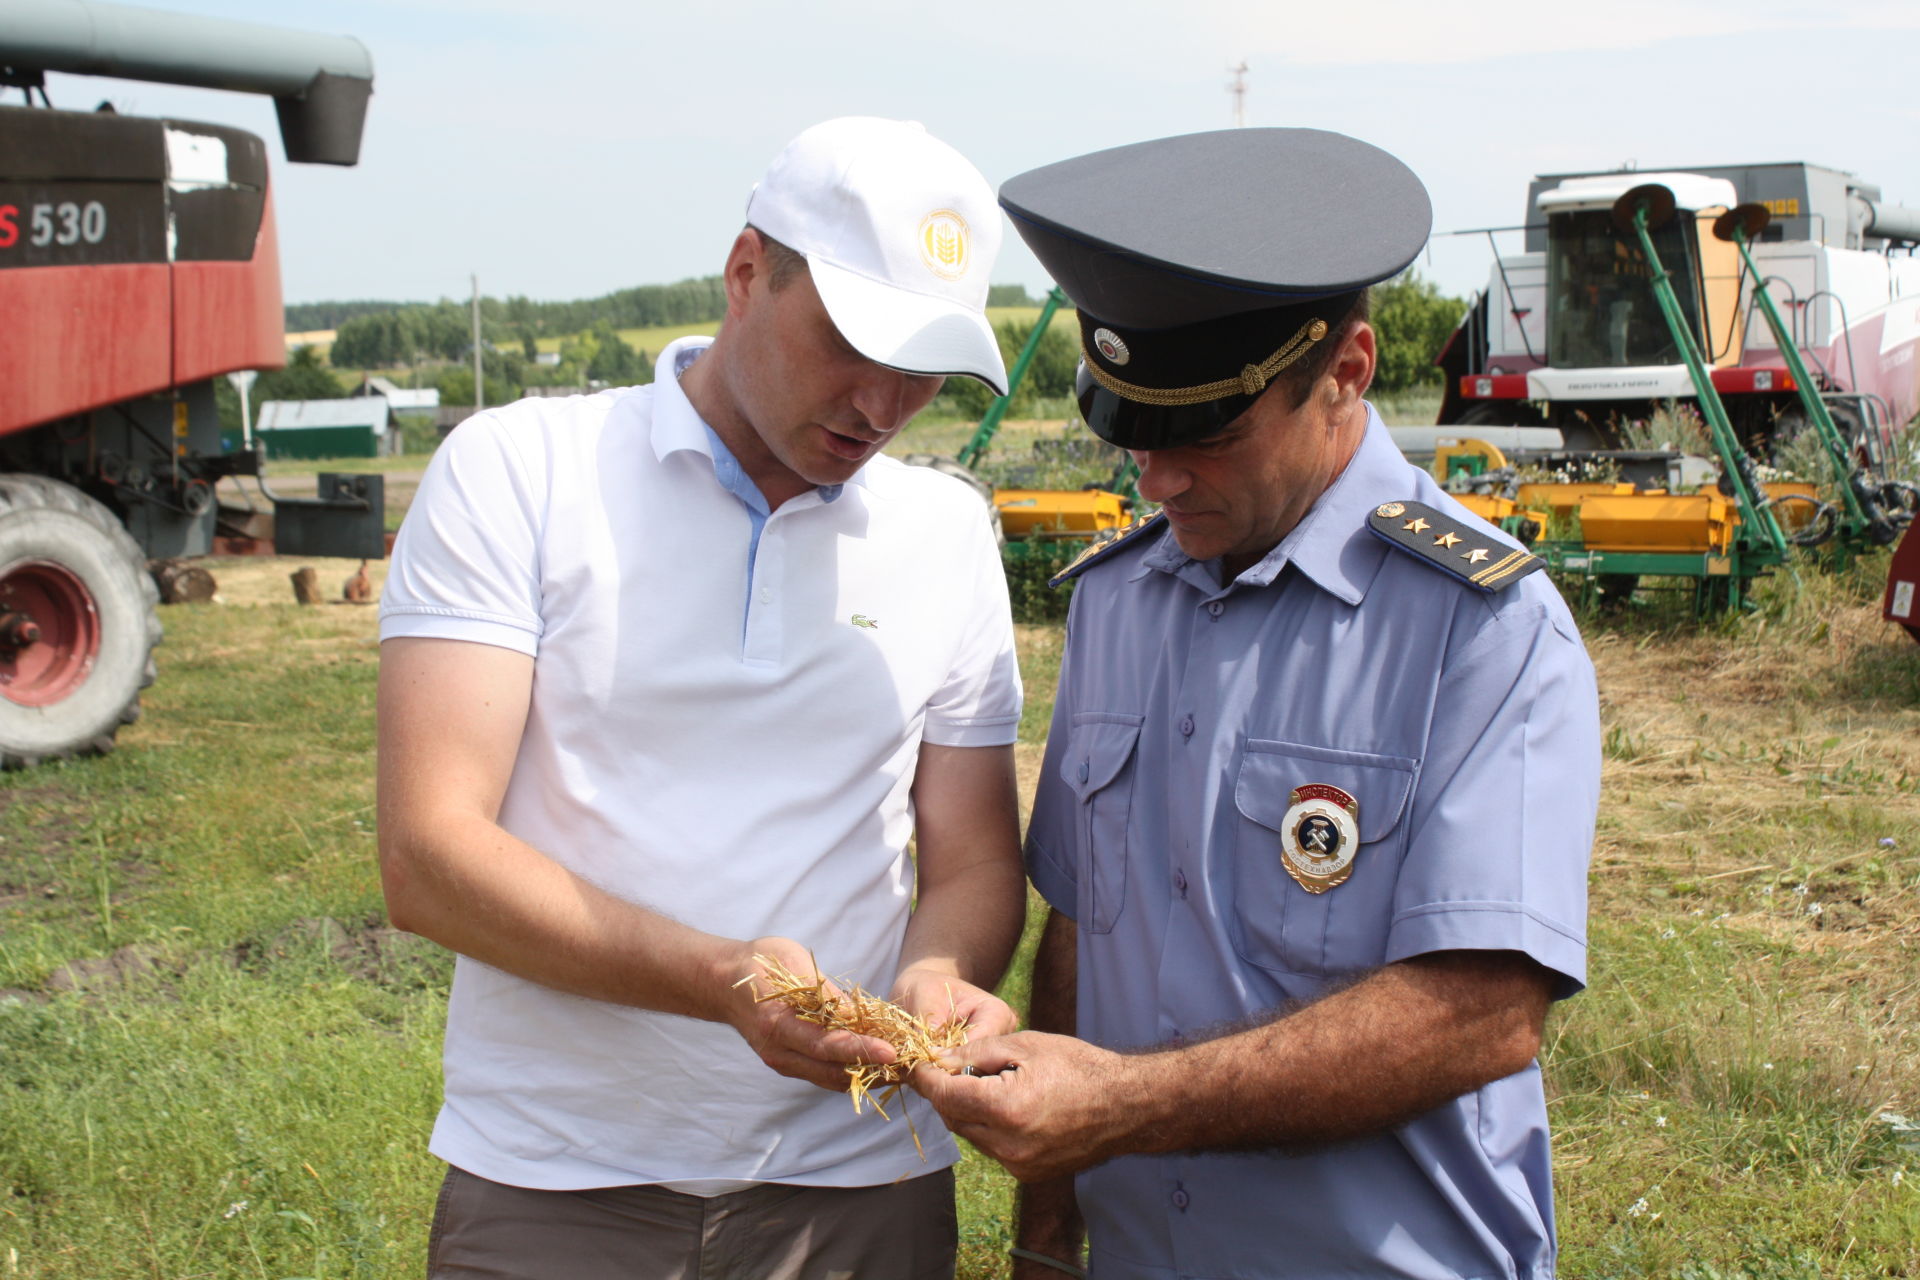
[944, 245]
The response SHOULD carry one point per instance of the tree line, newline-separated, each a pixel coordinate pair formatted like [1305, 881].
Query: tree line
[1413, 319]
[385, 334]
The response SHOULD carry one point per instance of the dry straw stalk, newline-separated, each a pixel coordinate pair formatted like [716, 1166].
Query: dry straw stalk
[853, 1009]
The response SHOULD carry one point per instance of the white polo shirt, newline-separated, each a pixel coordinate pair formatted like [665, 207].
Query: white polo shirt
[745, 781]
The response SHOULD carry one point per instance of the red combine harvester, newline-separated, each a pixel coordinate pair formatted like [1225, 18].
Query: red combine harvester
[137, 264]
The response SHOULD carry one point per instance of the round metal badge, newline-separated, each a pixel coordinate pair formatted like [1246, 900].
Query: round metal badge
[1388, 510]
[1320, 836]
[1112, 348]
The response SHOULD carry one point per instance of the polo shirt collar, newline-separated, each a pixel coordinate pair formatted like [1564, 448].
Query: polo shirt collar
[678, 426]
[1328, 546]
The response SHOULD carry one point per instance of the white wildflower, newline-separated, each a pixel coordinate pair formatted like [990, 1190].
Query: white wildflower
[1659, 1122]
[1637, 1208]
[235, 1209]
[1667, 935]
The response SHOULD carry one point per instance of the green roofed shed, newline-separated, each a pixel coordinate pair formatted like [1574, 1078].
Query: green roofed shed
[360, 427]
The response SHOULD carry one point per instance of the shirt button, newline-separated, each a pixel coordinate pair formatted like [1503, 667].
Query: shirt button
[1186, 726]
[1215, 609]
[1181, 1200]
[1083, 771]
[766, 595]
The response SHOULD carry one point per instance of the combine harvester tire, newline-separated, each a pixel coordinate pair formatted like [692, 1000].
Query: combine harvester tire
[78, 623]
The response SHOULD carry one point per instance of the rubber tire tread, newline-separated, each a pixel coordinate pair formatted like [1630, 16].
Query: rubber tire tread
[21, 493]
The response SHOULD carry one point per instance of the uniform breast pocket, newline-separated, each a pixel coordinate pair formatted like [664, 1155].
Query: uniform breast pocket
[1292, 799]
[1098, 767]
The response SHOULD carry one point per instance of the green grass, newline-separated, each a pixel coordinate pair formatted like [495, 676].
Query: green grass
[237, 1090]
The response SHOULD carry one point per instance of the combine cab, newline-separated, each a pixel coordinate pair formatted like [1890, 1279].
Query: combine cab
[137, 264]
[1567, 333]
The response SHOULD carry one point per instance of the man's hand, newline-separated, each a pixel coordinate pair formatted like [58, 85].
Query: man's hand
[938, 998]
[785, 1041]
[1042, 1105]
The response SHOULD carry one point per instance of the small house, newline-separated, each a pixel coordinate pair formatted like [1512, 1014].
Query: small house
[402, 399]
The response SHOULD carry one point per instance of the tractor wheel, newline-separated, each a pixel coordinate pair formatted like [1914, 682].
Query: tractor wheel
[78, 622]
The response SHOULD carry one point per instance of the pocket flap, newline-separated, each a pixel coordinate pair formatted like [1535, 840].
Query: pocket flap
[1099, 744]
[1269, 771]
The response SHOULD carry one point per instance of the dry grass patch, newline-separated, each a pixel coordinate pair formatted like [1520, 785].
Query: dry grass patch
[1755, 993]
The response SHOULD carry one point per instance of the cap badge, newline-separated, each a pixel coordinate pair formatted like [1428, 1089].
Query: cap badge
[1387, 511]
[1111, 347]
[1319, 836]
[944, 245]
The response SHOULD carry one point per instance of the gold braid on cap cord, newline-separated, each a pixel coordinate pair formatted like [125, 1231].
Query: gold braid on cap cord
[1252, 380]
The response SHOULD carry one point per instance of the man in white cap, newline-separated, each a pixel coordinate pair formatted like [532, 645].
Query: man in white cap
[669, 676]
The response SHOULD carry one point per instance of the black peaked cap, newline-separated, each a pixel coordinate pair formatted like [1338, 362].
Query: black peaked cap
[1198, 259]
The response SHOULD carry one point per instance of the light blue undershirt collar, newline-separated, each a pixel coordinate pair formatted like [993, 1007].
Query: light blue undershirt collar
[735, 480]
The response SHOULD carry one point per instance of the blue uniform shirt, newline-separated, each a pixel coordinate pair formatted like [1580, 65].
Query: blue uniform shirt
[1467, 728]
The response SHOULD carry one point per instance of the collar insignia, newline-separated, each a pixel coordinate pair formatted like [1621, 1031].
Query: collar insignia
[1101, 550]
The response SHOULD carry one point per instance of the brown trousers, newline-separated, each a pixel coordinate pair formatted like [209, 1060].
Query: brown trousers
[487, 1231]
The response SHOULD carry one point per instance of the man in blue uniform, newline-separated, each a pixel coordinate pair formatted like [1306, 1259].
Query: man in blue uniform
[1318, 799]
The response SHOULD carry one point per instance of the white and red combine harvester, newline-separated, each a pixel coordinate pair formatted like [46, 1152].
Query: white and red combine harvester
[1568, 334]
[138, 263]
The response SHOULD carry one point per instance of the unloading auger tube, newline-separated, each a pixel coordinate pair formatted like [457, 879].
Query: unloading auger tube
[319, 83]
[1869, 519]
[1641, 210]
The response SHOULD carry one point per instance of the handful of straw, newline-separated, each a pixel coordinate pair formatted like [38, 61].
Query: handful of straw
[863, 1013]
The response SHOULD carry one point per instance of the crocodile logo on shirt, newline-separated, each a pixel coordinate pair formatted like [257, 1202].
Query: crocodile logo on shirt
[862, 620]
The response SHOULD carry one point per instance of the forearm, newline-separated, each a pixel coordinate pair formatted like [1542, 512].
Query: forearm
[1047, 1213]
[968, 924]
[476, 889]
[1408, 1038]
[1053, 1004]
[972, 890]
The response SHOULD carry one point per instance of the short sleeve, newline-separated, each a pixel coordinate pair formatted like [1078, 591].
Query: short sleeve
[1504, 813]
[978, 704]
[466, 562]
[1050, 830]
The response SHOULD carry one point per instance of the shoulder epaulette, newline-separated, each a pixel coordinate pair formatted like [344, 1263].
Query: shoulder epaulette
[1452, 546]
[1099, 551]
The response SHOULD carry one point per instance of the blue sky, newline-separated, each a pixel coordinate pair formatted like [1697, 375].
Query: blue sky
[571, 147]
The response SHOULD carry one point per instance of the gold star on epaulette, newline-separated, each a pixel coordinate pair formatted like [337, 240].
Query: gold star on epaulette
[1489, 564]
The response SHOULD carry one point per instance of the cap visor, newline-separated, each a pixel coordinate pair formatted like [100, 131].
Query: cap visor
[1132, 425]
[909, 331]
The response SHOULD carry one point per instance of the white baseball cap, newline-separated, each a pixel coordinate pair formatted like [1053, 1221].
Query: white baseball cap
[899, 233]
